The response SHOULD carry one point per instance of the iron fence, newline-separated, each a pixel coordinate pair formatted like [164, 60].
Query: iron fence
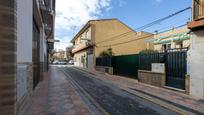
[104, 61]
[146, 60]
[126, 65]
[175, 61]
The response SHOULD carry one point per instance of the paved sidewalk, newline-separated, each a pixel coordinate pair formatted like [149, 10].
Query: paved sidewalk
[56, 96]
[173, 97]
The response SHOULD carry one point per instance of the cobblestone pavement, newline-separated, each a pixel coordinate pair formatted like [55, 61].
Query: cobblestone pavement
[111, 99]
[56, 96]
[171, 96]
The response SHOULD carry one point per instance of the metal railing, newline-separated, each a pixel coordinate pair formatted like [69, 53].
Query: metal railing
[175, 65]
[146, 60]
[104, 61]
[46, 7]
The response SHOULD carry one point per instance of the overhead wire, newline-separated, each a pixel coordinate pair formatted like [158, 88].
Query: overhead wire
[134, 39]
[145, 26]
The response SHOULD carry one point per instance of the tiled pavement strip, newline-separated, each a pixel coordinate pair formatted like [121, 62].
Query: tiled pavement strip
[131, 85]
[56, 96]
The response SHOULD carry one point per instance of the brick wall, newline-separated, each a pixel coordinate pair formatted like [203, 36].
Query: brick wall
[7, 57]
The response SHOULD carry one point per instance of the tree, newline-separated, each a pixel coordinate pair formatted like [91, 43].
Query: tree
[69, 53]
[107, 52]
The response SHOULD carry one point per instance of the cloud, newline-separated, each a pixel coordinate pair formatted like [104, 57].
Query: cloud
[73, 14]
[78, 12]
[64, 42]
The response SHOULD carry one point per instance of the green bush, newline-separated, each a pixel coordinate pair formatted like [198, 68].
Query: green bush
[147, 51]
[106, 53]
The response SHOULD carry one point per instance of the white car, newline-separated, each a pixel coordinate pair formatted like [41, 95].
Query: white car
[71, 62]
[55, 62]
[62, 63]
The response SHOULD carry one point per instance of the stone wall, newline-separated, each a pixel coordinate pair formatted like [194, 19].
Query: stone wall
[187, 84]
[24, 87]
[152, 78]
[7, 57]
[104, 69]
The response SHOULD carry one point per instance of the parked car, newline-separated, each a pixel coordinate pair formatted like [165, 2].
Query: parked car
[55, 62]
[62, 63]
[71, 62]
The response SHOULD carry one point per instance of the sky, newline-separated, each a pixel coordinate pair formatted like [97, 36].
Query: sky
[72, 15]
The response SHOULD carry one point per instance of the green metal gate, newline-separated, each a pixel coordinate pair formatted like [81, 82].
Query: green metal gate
[126, 65]
[176, 69]
[175, 61]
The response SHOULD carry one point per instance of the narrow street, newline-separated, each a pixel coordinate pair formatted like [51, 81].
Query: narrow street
[101, 57]
[108, 98]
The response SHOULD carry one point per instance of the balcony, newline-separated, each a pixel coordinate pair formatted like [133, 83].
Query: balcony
[198, 14]
[44, 5]
[48, 11]
[82, 46]
[198, 9]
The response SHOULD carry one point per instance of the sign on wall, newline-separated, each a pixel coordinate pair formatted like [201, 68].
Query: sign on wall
[158, 67]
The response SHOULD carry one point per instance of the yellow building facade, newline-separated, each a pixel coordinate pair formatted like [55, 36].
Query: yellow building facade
[99, 35]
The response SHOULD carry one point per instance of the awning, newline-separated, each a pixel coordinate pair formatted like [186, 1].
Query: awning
[173, 37]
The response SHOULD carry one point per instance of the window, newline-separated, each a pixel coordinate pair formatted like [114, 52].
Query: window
[179, 44]
[198, 9]
[168, 46]
[82, 59]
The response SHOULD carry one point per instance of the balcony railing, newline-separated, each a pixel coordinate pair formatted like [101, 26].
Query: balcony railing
[46, 7]
[82, 46]
[198, 9]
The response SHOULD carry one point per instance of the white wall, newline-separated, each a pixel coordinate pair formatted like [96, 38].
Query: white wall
[90, 63]
[24, 30]
[78, 56]
[24, 48]
[196, 64]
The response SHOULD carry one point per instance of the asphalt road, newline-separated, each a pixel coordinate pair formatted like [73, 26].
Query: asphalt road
[111, 98]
